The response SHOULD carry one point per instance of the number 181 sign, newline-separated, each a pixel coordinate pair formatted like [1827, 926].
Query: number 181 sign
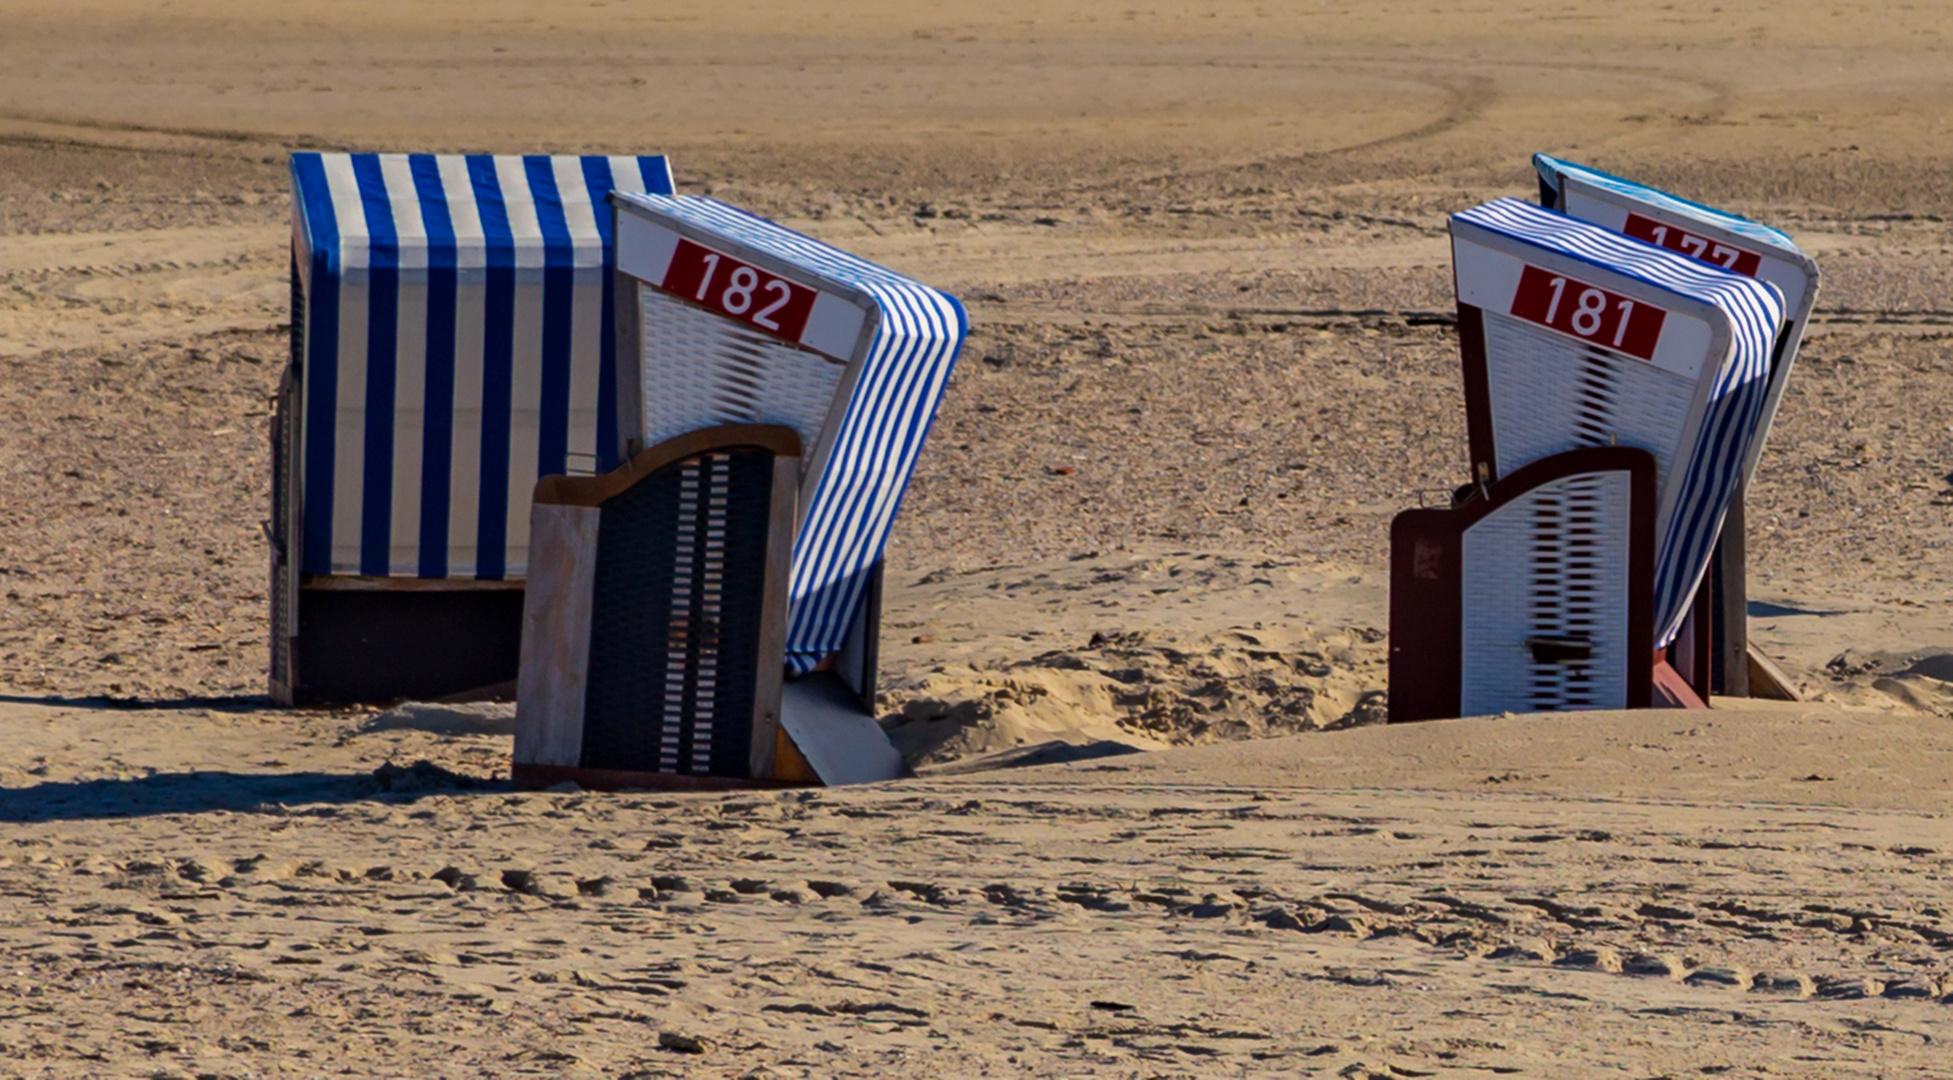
[1588, 312]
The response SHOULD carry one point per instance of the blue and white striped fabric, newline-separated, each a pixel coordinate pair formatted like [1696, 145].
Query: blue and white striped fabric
[1709, 476]
[457, 345]
[845, 526]
[1551, 169]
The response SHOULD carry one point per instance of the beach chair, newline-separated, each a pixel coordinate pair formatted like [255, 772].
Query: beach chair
[1572, 335]
[452, 342]
[1731, 243]
[728, 319]
[1534, 593]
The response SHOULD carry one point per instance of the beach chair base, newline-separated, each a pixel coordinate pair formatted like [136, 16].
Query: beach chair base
[836, 734]
[543, 777]
[377, 640]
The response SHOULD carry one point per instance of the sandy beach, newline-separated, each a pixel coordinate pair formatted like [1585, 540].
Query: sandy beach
[1134, 636]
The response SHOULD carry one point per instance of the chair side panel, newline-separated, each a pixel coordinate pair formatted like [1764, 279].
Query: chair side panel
[551, 686]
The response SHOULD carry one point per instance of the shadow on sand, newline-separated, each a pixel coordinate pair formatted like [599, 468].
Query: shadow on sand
[1053, 752]
[234, 703]
[201, 792]
[1763, 609]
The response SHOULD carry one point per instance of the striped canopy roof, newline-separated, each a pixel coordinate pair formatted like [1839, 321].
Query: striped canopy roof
[1551, 169]
[848, 517]
[455, 345]
[415, 211]
[1753, 311]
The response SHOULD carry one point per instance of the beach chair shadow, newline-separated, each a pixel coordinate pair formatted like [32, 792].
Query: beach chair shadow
[202, 791]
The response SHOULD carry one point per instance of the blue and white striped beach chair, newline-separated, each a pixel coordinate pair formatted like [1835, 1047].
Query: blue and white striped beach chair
[1729, 242]
[726, 319]
[452, 342]
[1573, 335]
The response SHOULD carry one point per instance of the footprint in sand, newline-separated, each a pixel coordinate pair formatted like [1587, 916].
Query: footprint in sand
[1787, 983]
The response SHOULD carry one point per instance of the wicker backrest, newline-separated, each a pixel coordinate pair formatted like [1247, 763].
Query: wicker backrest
[1533, 594]
[699, 366]
[677, 605]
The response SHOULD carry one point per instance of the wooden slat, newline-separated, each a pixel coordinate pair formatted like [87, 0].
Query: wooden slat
[1767, 680]
[594, 490]
[1732, 576]
[554, 675]
[789, 766]
[629, 335]
[768, 680]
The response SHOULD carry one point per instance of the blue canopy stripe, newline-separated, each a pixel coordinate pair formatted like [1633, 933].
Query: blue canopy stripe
[457, 346]
[846, 525]
[1709, 476]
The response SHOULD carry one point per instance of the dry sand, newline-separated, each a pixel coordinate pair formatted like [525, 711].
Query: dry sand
[1203, 249]
[1655, 893]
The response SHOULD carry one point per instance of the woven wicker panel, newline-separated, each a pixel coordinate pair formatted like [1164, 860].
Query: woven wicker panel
[675, 618]
[1552, 563]
[298, 317]
[702, 369]
[1551, 394]
[281, 597]
[284, 472]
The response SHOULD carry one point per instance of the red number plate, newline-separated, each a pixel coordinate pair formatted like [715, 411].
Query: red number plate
[1588, 312]
[1701, 248]
[739, 291]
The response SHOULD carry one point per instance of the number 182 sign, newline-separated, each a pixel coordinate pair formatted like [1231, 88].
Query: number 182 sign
[739, 291]
[1588, 312]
